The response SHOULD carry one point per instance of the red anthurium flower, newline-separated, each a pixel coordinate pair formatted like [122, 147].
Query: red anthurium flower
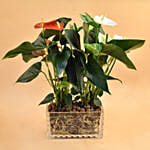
[38, 53]
[50, 25]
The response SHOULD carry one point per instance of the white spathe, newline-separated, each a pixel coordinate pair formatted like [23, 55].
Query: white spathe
[102, 38]
[104, 21]
[118, 37]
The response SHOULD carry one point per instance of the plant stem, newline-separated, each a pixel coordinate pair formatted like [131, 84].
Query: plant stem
[46, 77]
[50, 75]
[110, 62]
[113, 63]
[107, 71]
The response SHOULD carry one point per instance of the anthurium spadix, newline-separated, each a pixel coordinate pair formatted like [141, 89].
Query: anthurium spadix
[104, 21]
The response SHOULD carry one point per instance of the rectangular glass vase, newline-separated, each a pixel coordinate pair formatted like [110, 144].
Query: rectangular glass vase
[75, 124]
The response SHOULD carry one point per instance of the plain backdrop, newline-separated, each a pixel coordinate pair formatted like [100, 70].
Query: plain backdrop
[23, 122]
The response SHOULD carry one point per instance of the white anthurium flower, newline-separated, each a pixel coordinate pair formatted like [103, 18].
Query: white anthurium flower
[118, 37]
[104, 21]
[102, 38]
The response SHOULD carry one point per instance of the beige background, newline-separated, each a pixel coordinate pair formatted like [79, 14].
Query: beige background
[127, 121]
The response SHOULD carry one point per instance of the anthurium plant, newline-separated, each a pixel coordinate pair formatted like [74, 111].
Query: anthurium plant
[80, 74]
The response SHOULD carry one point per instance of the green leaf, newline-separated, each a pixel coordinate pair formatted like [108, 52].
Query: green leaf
[63, 84]
[74, 73]
[97, 102]
[118, 53]
[63, 40]
[49, 98]
[73, 38]
[89, 35]
[100, 92]
[102, 60]
[112, 78]
[40, 42]
[93, 48]
[22, 48]
[86, 19]
[52, 52]
[89, 20]
[68, 100]
[58, 59]
[61, 60]
[31, 73]
[27, 56]
[64, 20]
[49, 32]
[128, 44]
[95, 74]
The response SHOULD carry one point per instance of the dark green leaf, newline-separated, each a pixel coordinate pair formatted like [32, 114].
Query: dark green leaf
[100, 92]
[74, 73]
[80, 28]
[73, 38]
[112, 78]
[31, 73]
[63, 40]
[97, 102]
[75, 27]
[128, 44]
[64, 20]
[39, 42]
[23, 48]
[80, 57]
[49, 32]
[59, 59]
[89, 35]
[27, 56]
[102, 59]
[89, 20]
[68, 100]
[49, 98]
[85, 19]
[118, 53]
[52, 53]
[94, 48]
[96, 74]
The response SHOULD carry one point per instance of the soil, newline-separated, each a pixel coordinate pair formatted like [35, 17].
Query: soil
[76, 107]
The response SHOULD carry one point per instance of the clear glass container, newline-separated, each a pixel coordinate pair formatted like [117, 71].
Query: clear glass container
[75, 124]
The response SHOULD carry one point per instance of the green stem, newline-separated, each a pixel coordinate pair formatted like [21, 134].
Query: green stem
[97, 35]
[46, 77]
[109, 63]
[113, 63]
[50, 75]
